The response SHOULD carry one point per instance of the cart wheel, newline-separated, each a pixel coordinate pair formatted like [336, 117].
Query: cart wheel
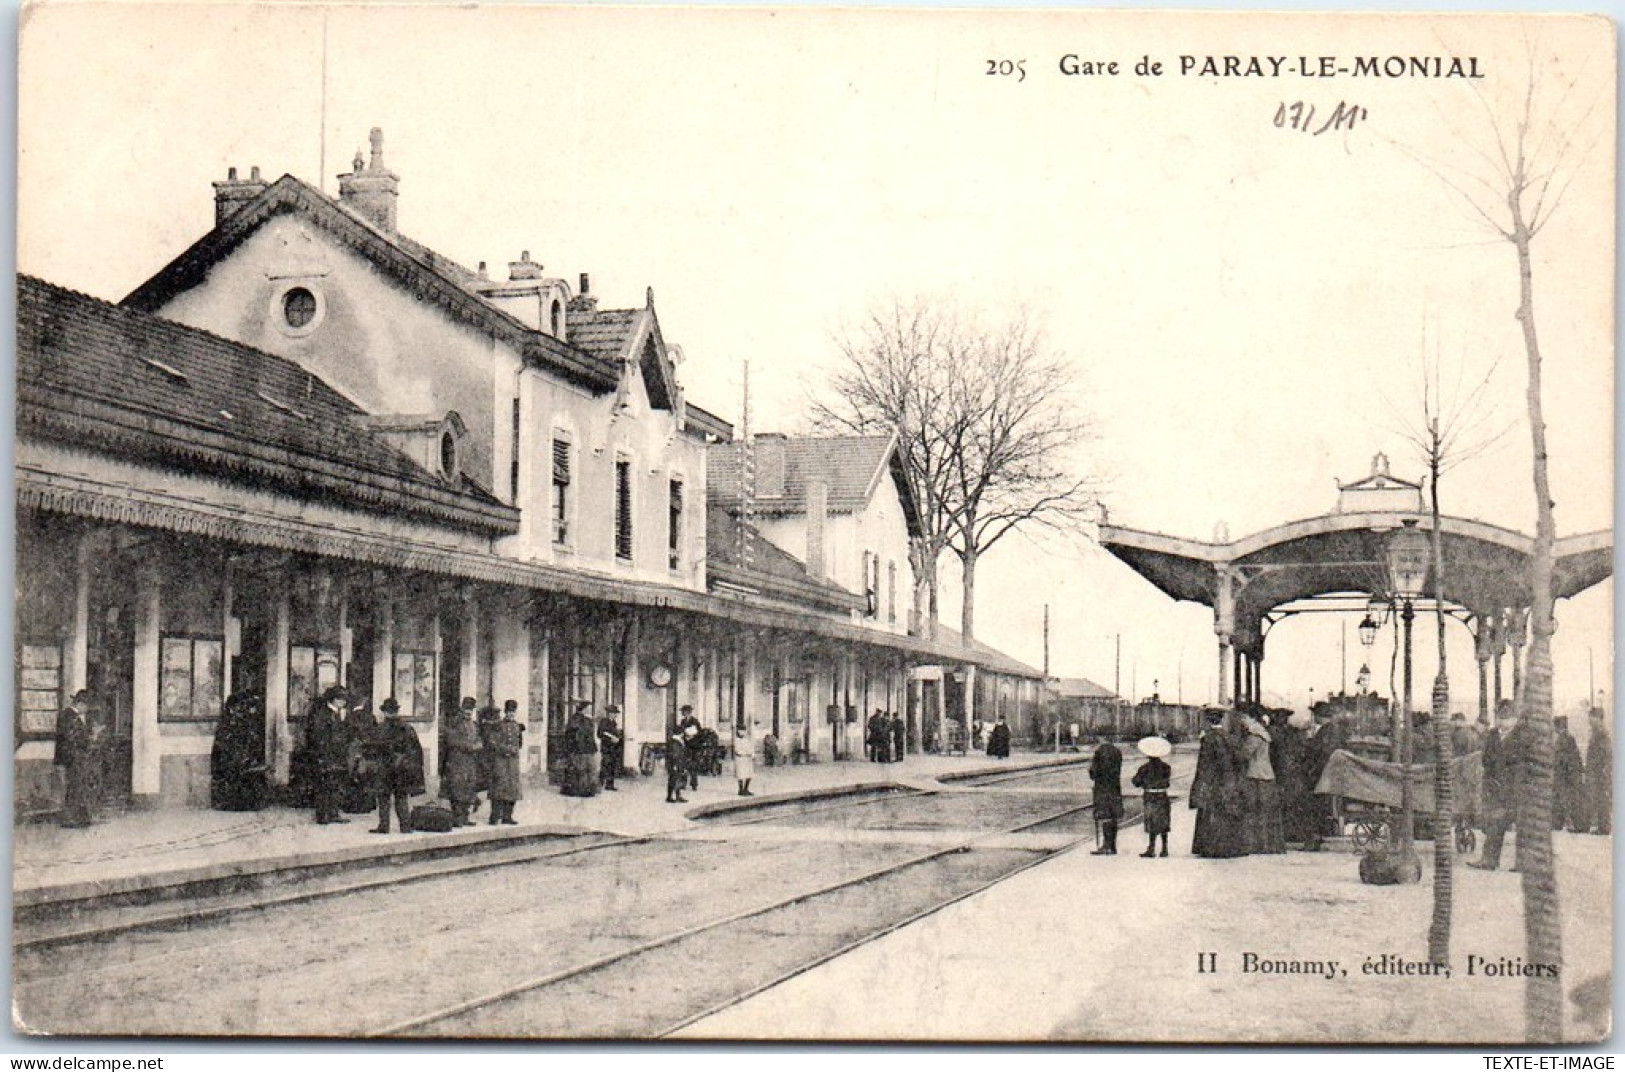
[1367, 833]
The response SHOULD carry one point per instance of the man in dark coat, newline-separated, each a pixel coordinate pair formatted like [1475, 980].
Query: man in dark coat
[676, 767]
[503, 744]
[694, 751]
[237, 760]
[1569, 810]
[487, 722]
[1599, 774]
[394, 760]
[1106, 772]
[875, 737]
[612, 745]
[329, 744]
[461, 740]
[899, 737]
[998, 742]
[78, 753]
[1297, 774]
[1506, 770]
[1216, 794]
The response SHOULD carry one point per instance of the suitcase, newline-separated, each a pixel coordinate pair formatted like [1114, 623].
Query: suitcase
[432, 818]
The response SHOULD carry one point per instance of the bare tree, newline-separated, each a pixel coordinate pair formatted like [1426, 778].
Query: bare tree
[1012, 425]
[1513, 190]
[985, 422]
[1446, 433]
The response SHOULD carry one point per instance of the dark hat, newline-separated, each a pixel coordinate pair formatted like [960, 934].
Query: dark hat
[333, 692]
[686, 707]
[1561, 722]
[580, 704]
[469, 703]
[1215, 716]
[82, 694]
[389, 706]
[510, 705]
[612, 709]
[1458, 717]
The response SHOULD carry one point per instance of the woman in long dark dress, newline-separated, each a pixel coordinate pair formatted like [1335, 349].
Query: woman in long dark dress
[1106, 772]
[237, 761]
[998, 742]
[1216, 794]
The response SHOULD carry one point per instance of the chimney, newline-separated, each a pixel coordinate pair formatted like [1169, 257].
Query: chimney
[524, 268]
[817, 512]
[484, 275]
[231, 195]
[770, 465]
[373, 191]
[585, 300]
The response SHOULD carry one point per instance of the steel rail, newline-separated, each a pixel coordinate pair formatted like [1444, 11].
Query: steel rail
[598, 963]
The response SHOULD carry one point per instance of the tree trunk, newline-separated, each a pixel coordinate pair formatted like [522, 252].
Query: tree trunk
[967, 609]
[1543, 995]
[1444, 823]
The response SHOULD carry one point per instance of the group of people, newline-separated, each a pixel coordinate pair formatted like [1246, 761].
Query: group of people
[1582, 788]
[1254, 789]
[480, 751]
[1152, 779]
[885, 737]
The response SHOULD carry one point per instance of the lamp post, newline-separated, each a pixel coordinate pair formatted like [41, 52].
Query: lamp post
[1408, 553]
[1362, 681]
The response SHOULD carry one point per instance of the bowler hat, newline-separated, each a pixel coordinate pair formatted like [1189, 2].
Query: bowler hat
[389, 706]
[469, 703]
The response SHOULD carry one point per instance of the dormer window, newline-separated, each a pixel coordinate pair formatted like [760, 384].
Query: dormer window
[448, 454]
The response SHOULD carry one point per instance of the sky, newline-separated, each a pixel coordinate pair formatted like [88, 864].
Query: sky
[1244, 306]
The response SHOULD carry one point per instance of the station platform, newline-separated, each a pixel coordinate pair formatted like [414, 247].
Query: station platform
[144, 853]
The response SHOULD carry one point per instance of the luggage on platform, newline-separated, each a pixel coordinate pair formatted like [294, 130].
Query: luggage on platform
[432, 818]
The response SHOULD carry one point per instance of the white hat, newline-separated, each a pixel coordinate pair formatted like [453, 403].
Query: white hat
[1154, 747]
[1300, 720]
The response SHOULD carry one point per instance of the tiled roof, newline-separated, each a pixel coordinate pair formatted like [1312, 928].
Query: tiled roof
[425, 273]
[92, 372]
[1080, 688]
[985, 656]
[771, 569]
[850, 467]
[604, 333]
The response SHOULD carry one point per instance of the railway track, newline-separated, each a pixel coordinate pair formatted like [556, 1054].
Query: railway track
[656, 978]
[559, 1003]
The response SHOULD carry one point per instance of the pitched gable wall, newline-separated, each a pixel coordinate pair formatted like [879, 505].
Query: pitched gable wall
[658, 452]
[391, 353]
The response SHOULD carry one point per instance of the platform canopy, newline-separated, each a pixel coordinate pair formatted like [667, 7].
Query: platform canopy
[1486, 567]
[1269, 574]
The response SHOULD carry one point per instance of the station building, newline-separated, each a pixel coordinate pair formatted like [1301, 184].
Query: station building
[311, 451]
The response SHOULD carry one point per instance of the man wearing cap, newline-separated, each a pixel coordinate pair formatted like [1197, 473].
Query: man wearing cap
[1507, 759]
[396, 760]
[329, 754]
[78, 754]
[503, 743]
[461, 739]
[611, 748]
[676, 766]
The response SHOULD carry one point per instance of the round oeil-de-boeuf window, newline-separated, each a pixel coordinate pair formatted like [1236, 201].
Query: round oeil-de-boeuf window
[298, 308]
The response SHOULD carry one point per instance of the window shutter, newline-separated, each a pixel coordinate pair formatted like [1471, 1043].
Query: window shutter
[561, 461]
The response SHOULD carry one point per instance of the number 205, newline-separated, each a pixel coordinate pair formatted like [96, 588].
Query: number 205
[1008, 67]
